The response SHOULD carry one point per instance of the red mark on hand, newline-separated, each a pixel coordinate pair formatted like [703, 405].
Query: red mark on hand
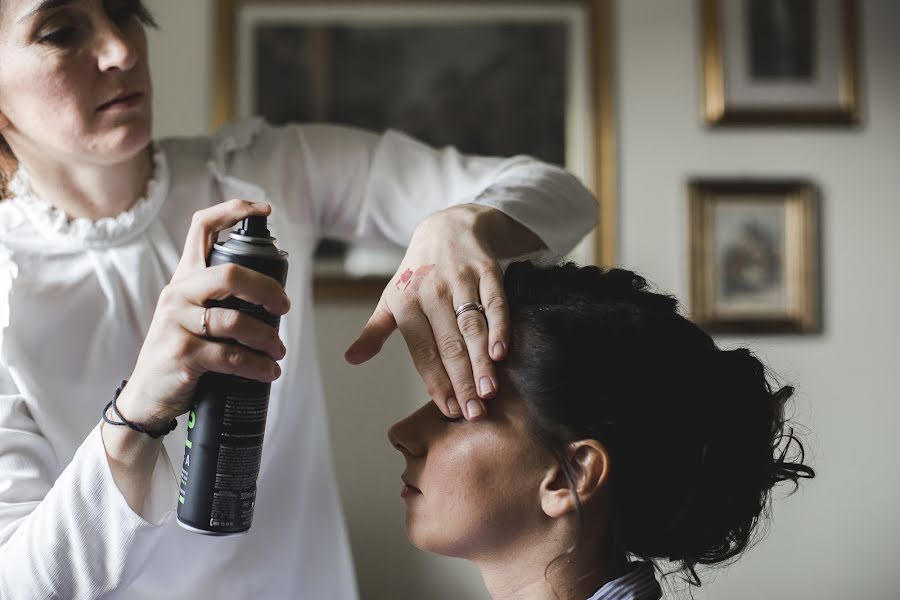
[408, 277]
[405, 279]
[423, 271]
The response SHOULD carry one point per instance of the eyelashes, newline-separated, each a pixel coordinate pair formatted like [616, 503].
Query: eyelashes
[447, 419]
[59, 37]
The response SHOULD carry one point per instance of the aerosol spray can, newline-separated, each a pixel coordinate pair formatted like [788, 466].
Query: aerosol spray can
[226, 426]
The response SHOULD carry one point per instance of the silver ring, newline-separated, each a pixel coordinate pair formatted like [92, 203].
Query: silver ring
[204, 324]
[469, 306]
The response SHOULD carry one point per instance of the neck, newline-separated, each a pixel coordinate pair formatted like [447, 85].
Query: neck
[92, 191]
[523, 574]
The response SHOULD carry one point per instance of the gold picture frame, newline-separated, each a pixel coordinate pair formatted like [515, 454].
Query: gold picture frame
[754, 255]
[803, 72]
[596, 165]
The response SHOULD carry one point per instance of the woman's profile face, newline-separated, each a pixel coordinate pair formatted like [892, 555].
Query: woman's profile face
[74, 79]
[471, 488]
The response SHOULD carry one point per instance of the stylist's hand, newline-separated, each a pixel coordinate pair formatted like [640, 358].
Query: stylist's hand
[176, 351]
[448, 264]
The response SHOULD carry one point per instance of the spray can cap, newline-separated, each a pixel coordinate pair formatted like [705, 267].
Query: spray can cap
[254, 227]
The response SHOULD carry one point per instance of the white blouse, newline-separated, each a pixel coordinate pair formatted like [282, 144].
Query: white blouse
[77, 298]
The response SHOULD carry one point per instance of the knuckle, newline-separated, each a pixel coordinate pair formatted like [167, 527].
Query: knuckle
[200, 219]
[436, 390]
[227, 321]
[233, 358]
[495, 303]
[167, 295]
[182, 347]
[425, 354]
[229, 273]
[471, 324]
[407, 309]
[482, 363]
[460, 276]
[184, 377]
[486, 267]
[435, 290]
[237, 204]
[452, 347]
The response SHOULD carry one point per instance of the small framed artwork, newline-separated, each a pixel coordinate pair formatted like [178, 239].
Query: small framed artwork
[780, 62]
[754, 260]
[490, 78]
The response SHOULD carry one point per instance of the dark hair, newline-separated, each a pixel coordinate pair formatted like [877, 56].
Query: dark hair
[8, 162]
[696, 435]
[7, 167]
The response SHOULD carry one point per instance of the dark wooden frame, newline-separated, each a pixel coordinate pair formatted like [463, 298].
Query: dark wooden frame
[801, 199]
[716, 110]
[601, 106]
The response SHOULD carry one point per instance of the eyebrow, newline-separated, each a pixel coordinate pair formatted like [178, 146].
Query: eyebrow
[43, 6]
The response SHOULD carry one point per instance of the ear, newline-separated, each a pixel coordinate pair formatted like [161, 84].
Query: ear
[589, 463]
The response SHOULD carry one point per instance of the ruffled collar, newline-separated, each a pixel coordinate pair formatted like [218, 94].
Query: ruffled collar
[56, 225]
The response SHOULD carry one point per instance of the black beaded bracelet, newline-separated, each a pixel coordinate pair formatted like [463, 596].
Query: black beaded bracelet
[123, 422]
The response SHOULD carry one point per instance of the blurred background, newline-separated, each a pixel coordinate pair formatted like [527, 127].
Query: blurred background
[840, 535]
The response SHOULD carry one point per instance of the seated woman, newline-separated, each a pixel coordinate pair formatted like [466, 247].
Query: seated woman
[622, 441]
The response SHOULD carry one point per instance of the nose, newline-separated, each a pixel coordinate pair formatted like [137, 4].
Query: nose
[114, 49]
[408, 436]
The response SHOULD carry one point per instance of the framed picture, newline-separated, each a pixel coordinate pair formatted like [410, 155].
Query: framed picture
[491, 78]
[754, 263]
[780, 62]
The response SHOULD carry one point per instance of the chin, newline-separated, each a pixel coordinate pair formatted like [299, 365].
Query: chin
[436, 540]
[124, 142]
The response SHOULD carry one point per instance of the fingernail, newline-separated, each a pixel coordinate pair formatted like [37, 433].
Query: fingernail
[499, 350]
[486, 385]
[453, 407]
[260, 205]
[475, 409]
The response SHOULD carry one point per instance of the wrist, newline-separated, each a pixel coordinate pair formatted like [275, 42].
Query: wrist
[503, 235]
[130, 408]
[129, 448]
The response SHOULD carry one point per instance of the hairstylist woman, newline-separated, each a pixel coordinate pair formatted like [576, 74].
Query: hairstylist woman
[103, 239]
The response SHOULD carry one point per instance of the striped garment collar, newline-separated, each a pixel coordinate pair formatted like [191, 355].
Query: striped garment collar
[638, 584]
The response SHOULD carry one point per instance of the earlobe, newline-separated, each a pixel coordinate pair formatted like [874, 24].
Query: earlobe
[589, 469]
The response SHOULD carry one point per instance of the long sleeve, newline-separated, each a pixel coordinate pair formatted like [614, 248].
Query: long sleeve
[379, 187]
[70, 533]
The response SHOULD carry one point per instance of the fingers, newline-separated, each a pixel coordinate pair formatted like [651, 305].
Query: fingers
[234, 359]
[223, 281]
[227, 324]
[496, 311]
[474, 328]
[206, 225]
[376, 332]
[423, 349]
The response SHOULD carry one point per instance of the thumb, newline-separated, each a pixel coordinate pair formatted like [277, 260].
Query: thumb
[376, 332]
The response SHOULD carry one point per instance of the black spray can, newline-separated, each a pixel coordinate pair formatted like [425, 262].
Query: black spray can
[226, 426]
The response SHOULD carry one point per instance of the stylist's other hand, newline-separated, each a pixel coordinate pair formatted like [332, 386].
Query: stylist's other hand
[176, 351]
[449, 262]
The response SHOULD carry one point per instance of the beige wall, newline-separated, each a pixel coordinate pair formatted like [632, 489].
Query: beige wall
[838, 538]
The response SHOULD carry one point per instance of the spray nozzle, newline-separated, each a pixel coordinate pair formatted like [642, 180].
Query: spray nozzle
[254, 227]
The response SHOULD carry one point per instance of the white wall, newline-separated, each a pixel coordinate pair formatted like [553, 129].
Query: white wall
[840, 536]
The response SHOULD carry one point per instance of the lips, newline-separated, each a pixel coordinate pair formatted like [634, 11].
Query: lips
[408, 488]
[122, 100]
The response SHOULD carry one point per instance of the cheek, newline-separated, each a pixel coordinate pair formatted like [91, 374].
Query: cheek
[475, 496]
[48, 93]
